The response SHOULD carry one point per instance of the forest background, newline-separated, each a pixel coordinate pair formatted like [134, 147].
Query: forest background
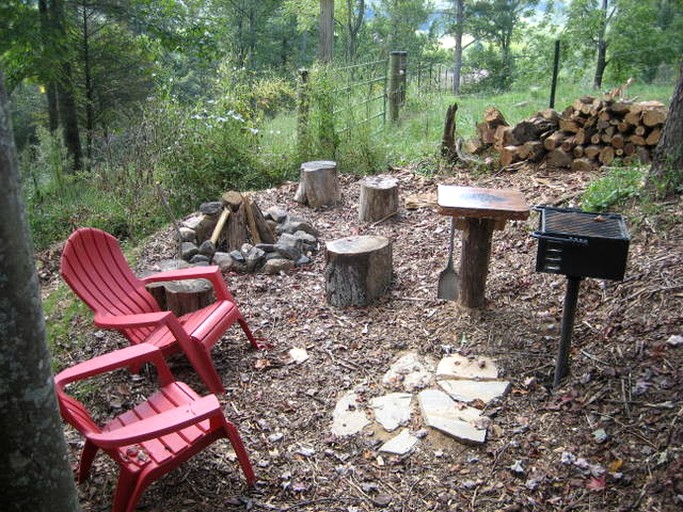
[117, 101]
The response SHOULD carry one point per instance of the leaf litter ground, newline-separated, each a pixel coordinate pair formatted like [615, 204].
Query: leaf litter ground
[609, 438]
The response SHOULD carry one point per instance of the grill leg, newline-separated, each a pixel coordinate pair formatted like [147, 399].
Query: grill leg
[568, 313]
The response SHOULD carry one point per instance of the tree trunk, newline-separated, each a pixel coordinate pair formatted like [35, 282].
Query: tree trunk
[65, 93]
[459, 31]
[89, 99]
[50, 89]
[34, 473]
[326, 31]
[601, 63]
[666, 172]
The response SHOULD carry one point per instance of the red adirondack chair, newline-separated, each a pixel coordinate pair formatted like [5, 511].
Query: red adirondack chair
[95, 268]
[154, 437]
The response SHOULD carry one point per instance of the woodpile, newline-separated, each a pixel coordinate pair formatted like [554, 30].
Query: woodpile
[589, 133]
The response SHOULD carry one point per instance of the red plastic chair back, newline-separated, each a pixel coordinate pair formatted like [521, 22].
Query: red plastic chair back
[95, 268]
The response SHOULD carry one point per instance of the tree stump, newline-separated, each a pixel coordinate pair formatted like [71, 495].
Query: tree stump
[358, 270]
[378, 198]
[318, 185]
[180, 297]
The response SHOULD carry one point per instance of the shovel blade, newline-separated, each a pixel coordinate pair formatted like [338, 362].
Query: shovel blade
[448, 285]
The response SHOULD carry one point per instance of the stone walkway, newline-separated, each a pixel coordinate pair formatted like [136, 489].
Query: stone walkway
[450, 395]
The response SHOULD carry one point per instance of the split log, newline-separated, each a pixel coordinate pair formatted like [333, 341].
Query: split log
[378, 198]
[220, 225]
[232, 199]
[235, 233]
[554, 141]
[251, 223]
[318, 186]
[606, 156]
[494, 117]
[654, 117]
[582, 165]
[592, 151]
[578, 151]
[509, 155]
[638, 140]
[568, 144]
[534, 150]
[653, 138]
[358, 270]
[618, 140]
[558, 158]
[264, 230]
[570, 125]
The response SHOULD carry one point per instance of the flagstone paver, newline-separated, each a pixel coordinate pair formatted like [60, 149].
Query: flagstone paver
[392, 410]
[456, 366]
[348, 417]
[469, 390]
[441, 412]
[400, 444]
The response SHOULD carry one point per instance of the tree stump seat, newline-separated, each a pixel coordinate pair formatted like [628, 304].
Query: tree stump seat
[180, 297]
[358, 270]
[378, 198]
[318, 184]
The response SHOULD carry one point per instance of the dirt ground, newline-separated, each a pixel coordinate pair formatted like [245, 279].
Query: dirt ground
[609, 439]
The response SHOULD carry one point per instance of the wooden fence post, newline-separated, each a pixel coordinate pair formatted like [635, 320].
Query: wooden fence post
[303, 110]
[397, 81]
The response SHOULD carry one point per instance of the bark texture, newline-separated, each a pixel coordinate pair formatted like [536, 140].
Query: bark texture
[34, 469]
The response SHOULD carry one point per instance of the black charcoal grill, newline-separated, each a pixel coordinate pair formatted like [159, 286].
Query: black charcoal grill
[579, 244]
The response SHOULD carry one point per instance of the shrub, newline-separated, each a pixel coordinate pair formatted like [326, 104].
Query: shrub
[618, 185]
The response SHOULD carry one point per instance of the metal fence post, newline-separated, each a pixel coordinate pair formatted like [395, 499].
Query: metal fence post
[556, 65]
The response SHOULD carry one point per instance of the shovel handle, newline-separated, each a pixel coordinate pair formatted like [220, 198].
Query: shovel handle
[452, 236]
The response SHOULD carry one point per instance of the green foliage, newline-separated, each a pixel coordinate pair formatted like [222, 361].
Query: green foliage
[205, 151]
[612, 189]
[63, 311]
[270, 96]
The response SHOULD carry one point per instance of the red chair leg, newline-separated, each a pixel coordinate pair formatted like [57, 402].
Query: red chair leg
[87, 457]
[250, 335]
[124, 493]
[241, 452]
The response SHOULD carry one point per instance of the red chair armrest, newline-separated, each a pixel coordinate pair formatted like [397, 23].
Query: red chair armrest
[134, 354]
[160, 424]
[212, 273]
[128, 321]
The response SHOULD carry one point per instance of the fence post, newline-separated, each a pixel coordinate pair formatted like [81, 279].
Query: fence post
[397, 81]
[556, 65]
[303, 110]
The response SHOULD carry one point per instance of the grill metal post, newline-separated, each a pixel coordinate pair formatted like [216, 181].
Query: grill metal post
[568, 314]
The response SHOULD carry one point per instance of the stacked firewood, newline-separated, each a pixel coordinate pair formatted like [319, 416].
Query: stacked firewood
[591, 132]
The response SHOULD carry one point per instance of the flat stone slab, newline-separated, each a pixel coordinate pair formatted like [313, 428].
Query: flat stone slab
[392, 410]
[410, 373]
[441, 412]
[400, 444]
[349, 416]
[456, 366]
[465, 390]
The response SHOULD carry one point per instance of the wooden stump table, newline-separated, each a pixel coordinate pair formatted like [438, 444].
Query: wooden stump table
[358, 270]
[478, 212]
[378, 198]
[318, 184]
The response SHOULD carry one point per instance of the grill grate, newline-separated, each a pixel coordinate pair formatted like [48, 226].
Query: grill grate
[578, 223]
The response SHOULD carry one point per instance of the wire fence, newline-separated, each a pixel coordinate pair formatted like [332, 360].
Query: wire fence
[362, 93]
